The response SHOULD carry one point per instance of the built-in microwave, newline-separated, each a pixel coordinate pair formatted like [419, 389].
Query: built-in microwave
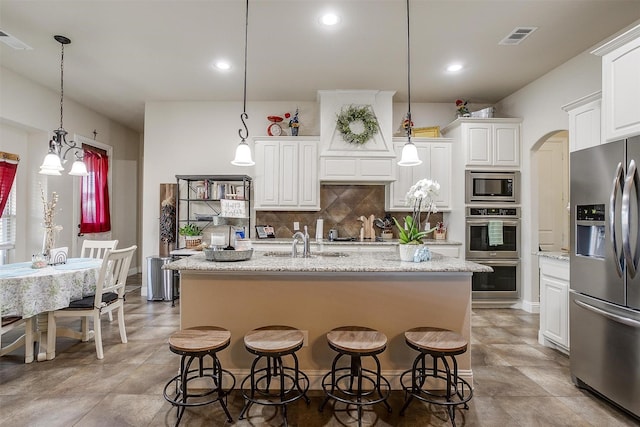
[492, 187]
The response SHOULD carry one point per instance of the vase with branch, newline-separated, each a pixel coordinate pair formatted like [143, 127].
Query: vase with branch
[49, 227]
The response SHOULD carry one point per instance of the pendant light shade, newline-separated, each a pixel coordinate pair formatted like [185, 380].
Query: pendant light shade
[409, 155]
[78, 168]
[52, 164]
[243, 155]
[243, 151]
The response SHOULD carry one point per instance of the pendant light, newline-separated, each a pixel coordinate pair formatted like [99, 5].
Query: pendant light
[52, 164]
[243, 151]
[409, 155]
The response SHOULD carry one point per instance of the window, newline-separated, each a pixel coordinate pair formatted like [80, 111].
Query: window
[8, 169]
[94, 192]
[8, 221]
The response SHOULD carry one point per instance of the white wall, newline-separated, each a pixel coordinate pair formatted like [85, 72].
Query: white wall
[28, 115]
[539, 104]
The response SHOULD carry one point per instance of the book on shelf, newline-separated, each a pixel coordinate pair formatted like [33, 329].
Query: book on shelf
[212, 190]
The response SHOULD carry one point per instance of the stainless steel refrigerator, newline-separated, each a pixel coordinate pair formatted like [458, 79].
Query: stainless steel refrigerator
[604, 303]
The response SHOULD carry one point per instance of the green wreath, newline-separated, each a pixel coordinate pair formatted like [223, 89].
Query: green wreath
[353, 114]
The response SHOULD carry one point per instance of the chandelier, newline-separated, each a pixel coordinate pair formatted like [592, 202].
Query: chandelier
[52, 164]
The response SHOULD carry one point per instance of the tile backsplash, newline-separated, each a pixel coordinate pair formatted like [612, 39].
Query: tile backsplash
[341, 206]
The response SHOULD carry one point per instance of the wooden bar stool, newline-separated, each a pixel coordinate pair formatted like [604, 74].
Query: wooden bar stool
[196, 343]
[439, 344]
[338, 384]
[270, 344]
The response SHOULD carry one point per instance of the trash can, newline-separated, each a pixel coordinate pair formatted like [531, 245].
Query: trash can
[159, 281]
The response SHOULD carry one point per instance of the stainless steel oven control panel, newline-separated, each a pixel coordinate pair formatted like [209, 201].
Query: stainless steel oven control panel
[509, 212]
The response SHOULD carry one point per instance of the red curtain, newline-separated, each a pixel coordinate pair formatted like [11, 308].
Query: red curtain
[94, 191]
[7, 175]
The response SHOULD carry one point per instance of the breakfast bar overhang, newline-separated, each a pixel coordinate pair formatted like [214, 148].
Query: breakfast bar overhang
[317, 294]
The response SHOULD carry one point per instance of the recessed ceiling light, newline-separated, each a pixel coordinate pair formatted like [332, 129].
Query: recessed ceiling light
[222, 65]
[330, 19]
[454, 67]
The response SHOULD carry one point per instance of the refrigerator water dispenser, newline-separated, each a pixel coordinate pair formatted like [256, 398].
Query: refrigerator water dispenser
[590, 231]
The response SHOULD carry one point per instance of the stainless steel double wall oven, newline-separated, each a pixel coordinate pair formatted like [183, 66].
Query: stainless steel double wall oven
[493, 233]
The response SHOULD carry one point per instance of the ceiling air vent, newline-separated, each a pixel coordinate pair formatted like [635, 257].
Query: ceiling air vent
[517, 35]
[13, 42]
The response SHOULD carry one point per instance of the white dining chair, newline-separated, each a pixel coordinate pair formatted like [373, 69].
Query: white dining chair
[109, 297]
[98, 249]
[10, 323]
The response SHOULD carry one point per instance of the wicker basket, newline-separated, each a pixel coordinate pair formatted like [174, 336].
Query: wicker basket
[191, 242]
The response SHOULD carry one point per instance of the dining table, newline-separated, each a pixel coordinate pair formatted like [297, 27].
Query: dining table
[35, 292]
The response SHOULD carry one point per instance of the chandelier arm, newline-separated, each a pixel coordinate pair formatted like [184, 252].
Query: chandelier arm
[54, 146]
[63, 143]
[75, 152]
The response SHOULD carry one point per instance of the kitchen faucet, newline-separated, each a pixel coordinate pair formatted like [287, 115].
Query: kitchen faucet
[297, 236]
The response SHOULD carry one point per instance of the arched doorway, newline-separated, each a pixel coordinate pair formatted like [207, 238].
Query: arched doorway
[552, 173]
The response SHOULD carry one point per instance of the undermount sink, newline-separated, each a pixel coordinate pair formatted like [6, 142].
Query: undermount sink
[313, 255]
[331, 254]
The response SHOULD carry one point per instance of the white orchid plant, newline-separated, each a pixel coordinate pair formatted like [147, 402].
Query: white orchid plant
[421, 197]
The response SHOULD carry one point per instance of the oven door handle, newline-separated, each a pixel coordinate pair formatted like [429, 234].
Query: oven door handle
[507, 222]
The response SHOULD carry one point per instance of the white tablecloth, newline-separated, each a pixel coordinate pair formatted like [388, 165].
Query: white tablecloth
[25, 291]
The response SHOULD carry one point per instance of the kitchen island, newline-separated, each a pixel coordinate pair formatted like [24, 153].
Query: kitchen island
[317, 294]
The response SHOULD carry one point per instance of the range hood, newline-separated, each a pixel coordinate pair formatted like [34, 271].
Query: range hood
[340, 161]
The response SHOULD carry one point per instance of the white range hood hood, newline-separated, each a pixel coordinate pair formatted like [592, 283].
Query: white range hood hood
[340, 161]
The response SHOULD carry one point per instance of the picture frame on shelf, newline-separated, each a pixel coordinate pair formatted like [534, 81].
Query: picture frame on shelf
[265, 232]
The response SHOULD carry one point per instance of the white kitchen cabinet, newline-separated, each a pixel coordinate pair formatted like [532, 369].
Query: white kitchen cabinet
[554, 303]
[435, 154]
[286, 174]
[488, 143]
[620, 85]
[357, 168]
[584, 122]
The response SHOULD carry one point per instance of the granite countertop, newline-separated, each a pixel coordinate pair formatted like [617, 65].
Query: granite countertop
[319, 246]
[362, 262]
[562, 256]
[368, 243]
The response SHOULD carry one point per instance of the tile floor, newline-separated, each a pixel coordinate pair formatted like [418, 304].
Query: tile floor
[517, 383]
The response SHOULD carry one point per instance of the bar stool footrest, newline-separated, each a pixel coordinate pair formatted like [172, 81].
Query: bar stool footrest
[296, 389]
[457, 393]
[207, 373]
[346, 396]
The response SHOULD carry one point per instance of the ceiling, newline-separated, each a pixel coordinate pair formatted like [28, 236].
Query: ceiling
[125, 53]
